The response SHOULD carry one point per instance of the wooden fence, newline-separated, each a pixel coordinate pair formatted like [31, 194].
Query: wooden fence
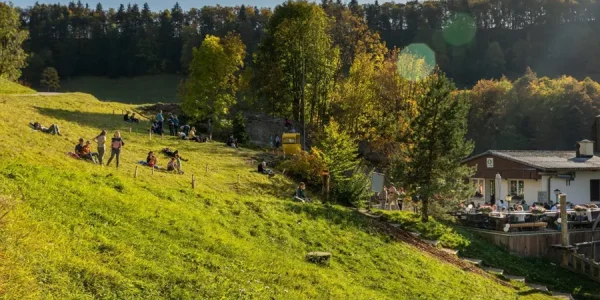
[578, 263]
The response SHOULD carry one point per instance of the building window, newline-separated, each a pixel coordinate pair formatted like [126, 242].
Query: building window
[517, 189]
[594, 190]
[478, 185]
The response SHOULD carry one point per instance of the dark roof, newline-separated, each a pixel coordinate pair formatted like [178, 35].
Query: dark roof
[546, 160]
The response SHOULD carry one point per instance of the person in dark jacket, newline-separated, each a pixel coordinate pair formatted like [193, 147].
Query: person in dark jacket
[116, 144]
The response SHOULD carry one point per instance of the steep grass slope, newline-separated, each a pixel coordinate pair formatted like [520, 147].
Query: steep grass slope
[9, 87]
[75, 230]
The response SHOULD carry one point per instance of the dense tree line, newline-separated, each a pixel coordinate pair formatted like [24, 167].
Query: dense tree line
[471, 39]
[130, 40]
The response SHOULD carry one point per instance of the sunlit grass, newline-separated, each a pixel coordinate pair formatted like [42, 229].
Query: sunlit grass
[81, 231]
[9, 87]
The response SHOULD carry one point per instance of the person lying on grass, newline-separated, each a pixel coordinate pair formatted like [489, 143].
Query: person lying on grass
[174, 165]
[168, 152]
[52, 130]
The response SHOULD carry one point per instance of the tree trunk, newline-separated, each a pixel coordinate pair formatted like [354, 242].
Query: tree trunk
[425, 210]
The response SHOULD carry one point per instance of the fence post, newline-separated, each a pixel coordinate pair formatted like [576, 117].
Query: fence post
[150, 133]
[129, 129]
[206, 168]
[136, 171]
[564, 228]
[238, 178]
[193, 182]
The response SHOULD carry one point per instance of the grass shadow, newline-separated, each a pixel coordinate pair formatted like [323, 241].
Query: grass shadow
[97, 120]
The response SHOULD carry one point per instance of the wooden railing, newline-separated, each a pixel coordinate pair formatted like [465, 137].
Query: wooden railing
[578, 263]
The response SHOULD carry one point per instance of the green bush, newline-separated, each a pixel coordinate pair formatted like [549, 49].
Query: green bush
[306, 166]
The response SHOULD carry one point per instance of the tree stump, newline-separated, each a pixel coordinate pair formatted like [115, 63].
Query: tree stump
[320, 258]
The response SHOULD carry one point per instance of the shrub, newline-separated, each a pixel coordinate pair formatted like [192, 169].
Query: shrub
[306, 166]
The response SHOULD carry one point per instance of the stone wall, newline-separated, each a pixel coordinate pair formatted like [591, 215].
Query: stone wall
[260, 126]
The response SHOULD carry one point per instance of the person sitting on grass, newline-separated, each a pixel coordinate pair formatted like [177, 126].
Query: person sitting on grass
[52, 130]
[174, 165]
[301, 194]
[262, 168]
[133, 119]
[84, 151]
[182, 135]
[126, 117]
[151, 160]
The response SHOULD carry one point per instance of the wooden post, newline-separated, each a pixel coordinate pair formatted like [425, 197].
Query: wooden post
[206, 168]
[129, 129]
[136, 170]
[150, 133]
[564, 228]
[238, 178]
[193, 182]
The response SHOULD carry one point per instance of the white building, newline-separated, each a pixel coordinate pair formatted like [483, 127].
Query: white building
[536, 176]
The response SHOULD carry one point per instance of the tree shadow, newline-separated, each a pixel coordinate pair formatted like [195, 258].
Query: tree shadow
[92, 119]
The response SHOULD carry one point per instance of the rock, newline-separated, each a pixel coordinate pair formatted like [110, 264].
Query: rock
[537, 287]
[515, 278]
[562, 296]
[450, 251]
[494, 271]
[321, 258]
[431, 242]
[474, 261]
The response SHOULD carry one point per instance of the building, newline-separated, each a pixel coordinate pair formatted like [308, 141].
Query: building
[537, 176]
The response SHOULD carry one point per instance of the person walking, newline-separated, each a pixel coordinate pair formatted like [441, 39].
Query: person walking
[160, 119]
[277, 141]
[116, 144]
[101, 140]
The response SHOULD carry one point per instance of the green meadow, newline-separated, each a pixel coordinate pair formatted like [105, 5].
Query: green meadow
[74, 230]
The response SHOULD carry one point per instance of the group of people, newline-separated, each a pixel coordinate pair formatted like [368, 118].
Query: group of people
[390, 197]
[130, 119]
[519, 206]
[83, 149]
[275, 141]
[232, 142]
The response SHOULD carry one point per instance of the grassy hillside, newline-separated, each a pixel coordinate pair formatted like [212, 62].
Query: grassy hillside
[536, 270]
[75, 230]
[136, 90]
[9, 87]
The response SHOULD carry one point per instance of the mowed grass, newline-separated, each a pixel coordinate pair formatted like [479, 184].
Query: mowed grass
[9, 87]
[80, 231]
[136, 90]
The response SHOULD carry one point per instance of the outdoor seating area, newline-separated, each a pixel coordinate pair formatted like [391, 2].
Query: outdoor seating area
[578, 218]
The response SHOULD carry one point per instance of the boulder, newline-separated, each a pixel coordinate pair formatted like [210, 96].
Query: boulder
[321, 258]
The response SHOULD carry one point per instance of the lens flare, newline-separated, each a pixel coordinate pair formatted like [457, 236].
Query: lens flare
[416, 62]
[459, 29]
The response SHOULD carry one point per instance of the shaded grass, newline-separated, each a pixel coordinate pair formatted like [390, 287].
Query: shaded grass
[9, 87]
[469, 244]
[80, 231]
[136, 90]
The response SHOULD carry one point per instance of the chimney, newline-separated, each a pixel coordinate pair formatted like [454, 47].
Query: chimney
[586, 148]
[596, 133]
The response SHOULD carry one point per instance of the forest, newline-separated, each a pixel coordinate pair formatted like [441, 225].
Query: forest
[552, 37]
[484, 46]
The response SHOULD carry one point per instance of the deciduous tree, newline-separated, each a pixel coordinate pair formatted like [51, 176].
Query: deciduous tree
[12, 56]
[50, 79]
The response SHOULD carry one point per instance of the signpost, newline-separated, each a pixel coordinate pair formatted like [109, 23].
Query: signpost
[377, 180]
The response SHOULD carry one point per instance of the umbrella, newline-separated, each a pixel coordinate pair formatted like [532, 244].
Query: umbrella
[498, 189]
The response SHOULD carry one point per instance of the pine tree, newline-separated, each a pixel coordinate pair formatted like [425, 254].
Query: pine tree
[50, 79]
[431, 164]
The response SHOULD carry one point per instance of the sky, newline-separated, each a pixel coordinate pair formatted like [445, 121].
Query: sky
[161, 4]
